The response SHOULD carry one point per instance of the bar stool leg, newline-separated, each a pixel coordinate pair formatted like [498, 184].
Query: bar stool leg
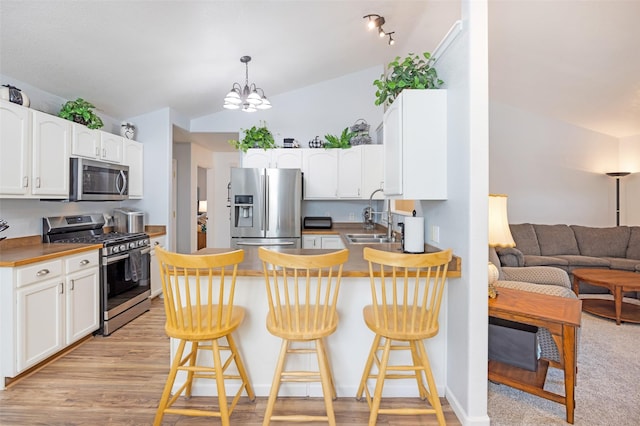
[417, 362]
[241, 370]
[195, 347]
[377, 396]
[169, 384]
[275, 384]
[433, 392]
[334, 394]
[327, 385]
[367, 368]
[222, 393]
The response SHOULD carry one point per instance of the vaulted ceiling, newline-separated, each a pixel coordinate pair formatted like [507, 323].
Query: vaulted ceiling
[577, 61]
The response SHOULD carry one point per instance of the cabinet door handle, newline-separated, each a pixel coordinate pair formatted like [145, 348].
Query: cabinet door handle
[61, 288]
[156, 243]
[37, 182]
[73, 285]
[42, 272]
[25, 181]
[84, 262]
[97, 151]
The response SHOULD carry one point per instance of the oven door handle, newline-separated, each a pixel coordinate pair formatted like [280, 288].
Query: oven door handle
[110, 260]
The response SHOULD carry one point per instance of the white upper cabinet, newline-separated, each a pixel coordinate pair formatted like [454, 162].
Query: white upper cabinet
[97, 144]
[35, 153]
[15, 145]
[415, 146]
[111, 147]
[320, 167]
[350, 173]
[278, 158]
[134, 158]
[372, 170]
[50, 153]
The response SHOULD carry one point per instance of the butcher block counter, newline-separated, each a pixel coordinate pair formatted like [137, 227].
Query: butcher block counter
[25, 250]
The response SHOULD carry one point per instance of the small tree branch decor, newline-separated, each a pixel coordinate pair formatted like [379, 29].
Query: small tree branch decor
[255, 137]
[412, 72]
[81, 111]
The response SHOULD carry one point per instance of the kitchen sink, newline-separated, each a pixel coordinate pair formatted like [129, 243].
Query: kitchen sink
[368, 238]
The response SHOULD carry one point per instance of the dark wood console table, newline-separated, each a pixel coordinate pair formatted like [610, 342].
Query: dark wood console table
[561, 316]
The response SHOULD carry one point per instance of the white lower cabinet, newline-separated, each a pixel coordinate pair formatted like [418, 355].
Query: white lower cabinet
[322, 241]
[154, 273]
[45, 307]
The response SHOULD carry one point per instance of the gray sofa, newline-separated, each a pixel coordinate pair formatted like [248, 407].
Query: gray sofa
[571, 246]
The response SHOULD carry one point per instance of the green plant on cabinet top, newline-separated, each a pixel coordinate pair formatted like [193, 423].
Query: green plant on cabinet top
[343, 141]
[81, 111]
[255, 137]
[412, 72]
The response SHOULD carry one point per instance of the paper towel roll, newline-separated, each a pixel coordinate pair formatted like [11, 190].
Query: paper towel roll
[414, 234]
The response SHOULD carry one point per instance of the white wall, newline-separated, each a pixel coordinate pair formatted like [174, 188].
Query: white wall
[552, 171]
[218, 226]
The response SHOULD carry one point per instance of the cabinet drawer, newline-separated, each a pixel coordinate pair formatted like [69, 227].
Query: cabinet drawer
[38, 272]
[88, 259]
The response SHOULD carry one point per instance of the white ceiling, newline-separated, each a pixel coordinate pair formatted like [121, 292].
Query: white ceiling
[578, 61]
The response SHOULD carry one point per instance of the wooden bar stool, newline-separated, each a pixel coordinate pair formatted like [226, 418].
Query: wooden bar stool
[406, 291]
[198, 295]
[302, 291]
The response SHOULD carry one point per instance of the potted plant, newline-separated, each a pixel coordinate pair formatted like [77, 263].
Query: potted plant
[412, 72]
[81, 111]
[255, 137]
[343, 141]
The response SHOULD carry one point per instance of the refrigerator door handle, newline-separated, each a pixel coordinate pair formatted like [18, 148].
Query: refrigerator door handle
[262, 192]
[266, 204]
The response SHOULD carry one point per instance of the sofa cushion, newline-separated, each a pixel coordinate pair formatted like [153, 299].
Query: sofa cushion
[525, 237]
[586, 261]
[531, 260]
[602, 242]
[624, 264]
[556, 239]
[633, 249]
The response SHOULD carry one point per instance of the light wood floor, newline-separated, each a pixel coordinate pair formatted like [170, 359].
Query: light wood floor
[117, 380]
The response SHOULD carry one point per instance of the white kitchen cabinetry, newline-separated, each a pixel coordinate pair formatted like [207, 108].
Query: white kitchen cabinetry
[277, 158]
[134, 158]
[96, 144]
[320, 167]
[324, 241]
[45, 307]
[50, 154]
[35, 153]
[350, 173]
[15, 145]
[154, 273]
[415, 146]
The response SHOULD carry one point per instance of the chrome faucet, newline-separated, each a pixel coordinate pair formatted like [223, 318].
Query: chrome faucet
[368, 212]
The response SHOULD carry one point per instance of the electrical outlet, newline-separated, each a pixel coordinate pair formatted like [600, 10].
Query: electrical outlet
[435, 233]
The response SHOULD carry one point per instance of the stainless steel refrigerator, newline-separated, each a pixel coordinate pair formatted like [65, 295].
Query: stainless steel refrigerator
[265, 207]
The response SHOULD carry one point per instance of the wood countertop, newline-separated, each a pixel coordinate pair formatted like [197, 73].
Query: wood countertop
[25, 250]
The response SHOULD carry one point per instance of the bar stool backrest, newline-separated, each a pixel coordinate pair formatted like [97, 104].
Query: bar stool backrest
[406, 290]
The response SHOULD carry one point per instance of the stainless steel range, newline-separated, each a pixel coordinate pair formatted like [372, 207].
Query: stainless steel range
[124, 265]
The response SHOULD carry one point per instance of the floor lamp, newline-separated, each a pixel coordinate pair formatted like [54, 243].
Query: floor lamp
[499, 233]
[618, 175]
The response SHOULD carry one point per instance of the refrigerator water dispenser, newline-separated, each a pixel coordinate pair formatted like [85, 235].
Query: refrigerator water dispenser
[243, 211]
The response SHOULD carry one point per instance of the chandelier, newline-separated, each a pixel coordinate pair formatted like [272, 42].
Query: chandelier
[248, 98]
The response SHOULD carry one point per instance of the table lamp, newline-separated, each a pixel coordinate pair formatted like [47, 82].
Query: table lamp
[499, 233]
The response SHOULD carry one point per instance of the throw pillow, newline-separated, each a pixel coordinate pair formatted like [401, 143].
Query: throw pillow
[556, 239]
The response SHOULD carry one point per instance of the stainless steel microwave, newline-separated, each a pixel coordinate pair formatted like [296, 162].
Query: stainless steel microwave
[91, 180]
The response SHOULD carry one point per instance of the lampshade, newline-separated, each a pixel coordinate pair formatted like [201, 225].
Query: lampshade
[249, 97]
[202, 206]
[499, 233]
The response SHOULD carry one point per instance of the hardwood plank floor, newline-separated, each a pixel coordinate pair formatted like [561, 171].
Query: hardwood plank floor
[117, 380]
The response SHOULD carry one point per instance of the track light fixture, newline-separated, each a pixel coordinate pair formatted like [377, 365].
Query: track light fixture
[248, 98]
[376, 21]
[391, 40]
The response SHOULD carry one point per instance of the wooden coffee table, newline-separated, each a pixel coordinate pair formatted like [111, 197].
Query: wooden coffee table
[617, 282]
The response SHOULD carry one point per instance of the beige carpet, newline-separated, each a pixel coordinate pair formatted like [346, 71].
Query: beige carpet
[608, 383]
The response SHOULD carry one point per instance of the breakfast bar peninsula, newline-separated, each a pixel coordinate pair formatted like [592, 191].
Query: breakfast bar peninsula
[349, 344]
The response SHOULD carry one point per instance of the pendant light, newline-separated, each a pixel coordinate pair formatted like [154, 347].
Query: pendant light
[248, 98]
